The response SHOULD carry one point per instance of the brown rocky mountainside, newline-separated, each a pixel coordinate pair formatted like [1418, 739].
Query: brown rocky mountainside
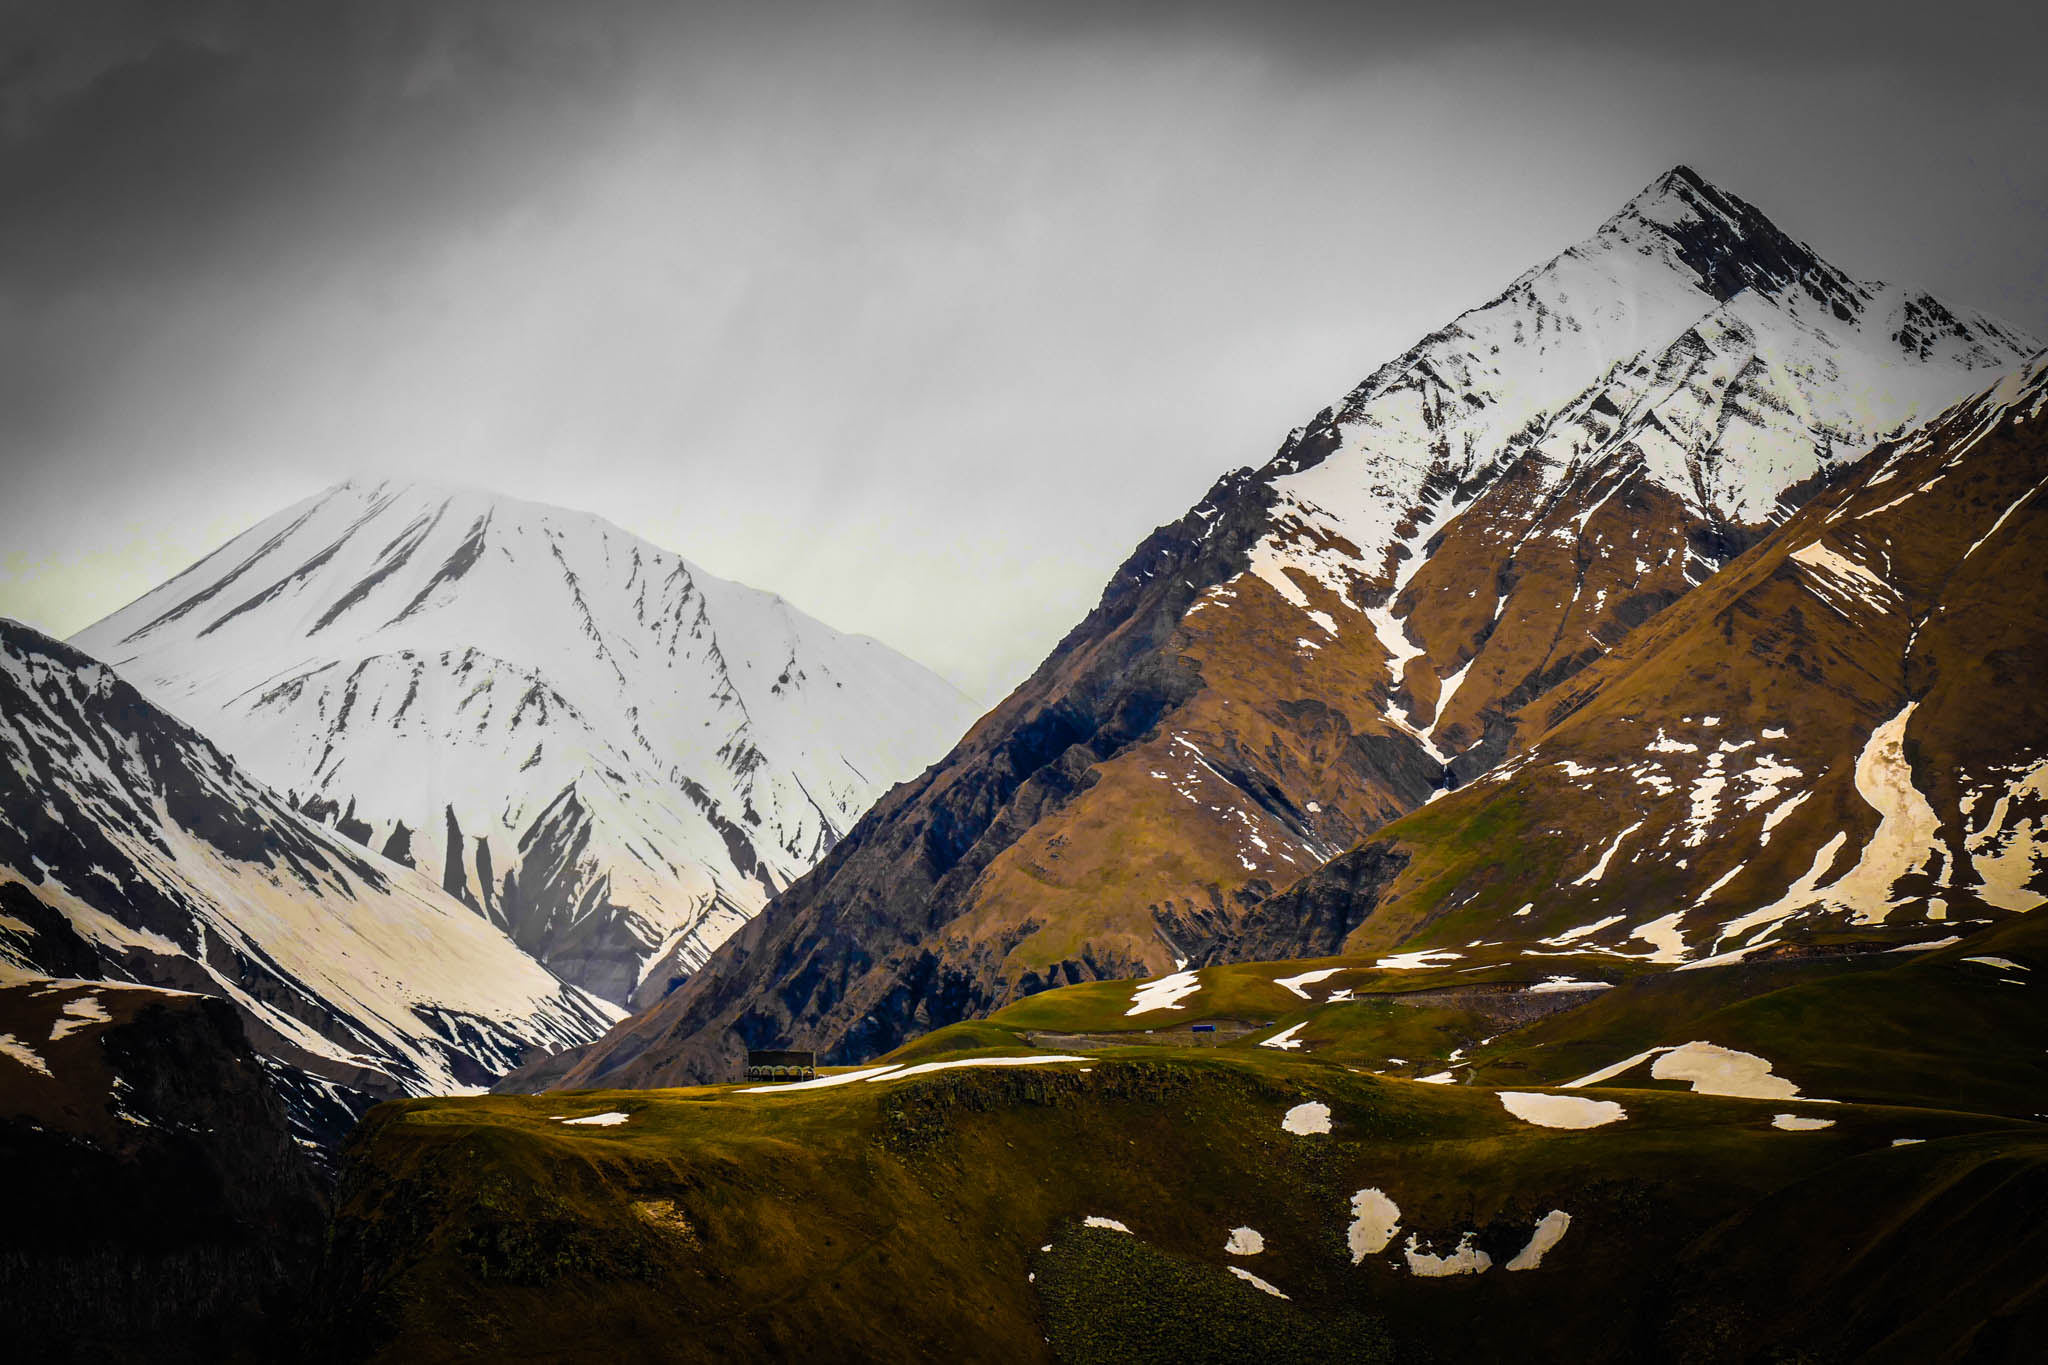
[1321, 646]
[1844, 734]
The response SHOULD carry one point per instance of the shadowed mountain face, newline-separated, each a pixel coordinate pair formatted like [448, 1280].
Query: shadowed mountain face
[158, 1206]
[1842, 734]
[132, 850]
[1321, 646]
[602, 749]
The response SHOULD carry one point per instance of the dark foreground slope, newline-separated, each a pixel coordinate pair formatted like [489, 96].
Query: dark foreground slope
[981, 1214]
[158, 1207]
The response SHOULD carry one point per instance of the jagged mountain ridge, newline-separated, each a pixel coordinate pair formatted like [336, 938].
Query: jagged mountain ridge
[1311, 652]
[605, 750]
[132, 850]
[1797, 753]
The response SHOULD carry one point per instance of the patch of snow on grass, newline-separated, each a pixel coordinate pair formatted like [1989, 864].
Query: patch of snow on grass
[2007, 861]
[11, 1046]
[1163, 993]
[1552, 984]
[1295, 983]
[1304, 1119]
[2003, 963]
[1417, 960]
[1440, 1078]
[1244, 1242]
[1599, 869]
[1799, 1123]
[1097, 1221]
[1583, 930]
[1254, 1280]
[1715, 1070]
[610, 1119]
[1375, 1221]
[959, 1063]
[1663, 936]
[1561, 1111]
[1465, 1259]
[86, 1009]
[1906, 830]
[822, 1082]
[1285, 1039]
[1928, 946]
[1802, 893]
[1907, 1142]
[1550, 1230]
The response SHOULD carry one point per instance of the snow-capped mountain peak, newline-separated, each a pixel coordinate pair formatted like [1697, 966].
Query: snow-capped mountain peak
[593, 741]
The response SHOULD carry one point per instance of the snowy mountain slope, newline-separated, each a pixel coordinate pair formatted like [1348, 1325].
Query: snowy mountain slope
[1320, 646]
[1841, 736]
[1609, 431]
[607, 751]
[132, 850]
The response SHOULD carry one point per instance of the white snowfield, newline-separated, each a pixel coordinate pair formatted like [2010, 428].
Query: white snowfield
[1254, 1280]
[1561, 1111]
[1375, 1222]
[609, 1119]
[897, 1071]
[1710, 1070]
[1163, 993]
[1463, 1259]
[1549, 1231]
[1305, 1119]
[1244, 1242]
[421, 651]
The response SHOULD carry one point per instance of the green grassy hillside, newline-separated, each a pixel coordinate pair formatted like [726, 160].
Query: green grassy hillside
[942, 1215]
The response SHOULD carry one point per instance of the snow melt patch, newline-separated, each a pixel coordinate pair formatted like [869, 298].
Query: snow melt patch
[610, 1119]
[1254, 1280]
[86, 1009]
[11, 1046]
[1244, 1242]
[1094, 1220]
[822, 1082]
[1285, 1039]
[1716, 1070]
[2002, 963]
[1375, 1221]
[1550, 1230]
[1304, 1119]
[1417, 960]
[1552, 984]
[1465, 1259]
[1799, 1123]
[1599, 869]
[1906, 830]
[1663, 935]
[1295, 983]
[964, 1063]
[1561, 1111]
[1163, 993]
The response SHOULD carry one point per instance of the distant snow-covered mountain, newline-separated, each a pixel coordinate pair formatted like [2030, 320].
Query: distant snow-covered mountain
[592, 742]
[133, 850]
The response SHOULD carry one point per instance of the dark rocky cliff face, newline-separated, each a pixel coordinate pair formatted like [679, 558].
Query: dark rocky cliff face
[159, 1207]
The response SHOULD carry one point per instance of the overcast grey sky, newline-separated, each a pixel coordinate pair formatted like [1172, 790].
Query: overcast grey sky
[919, 314]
